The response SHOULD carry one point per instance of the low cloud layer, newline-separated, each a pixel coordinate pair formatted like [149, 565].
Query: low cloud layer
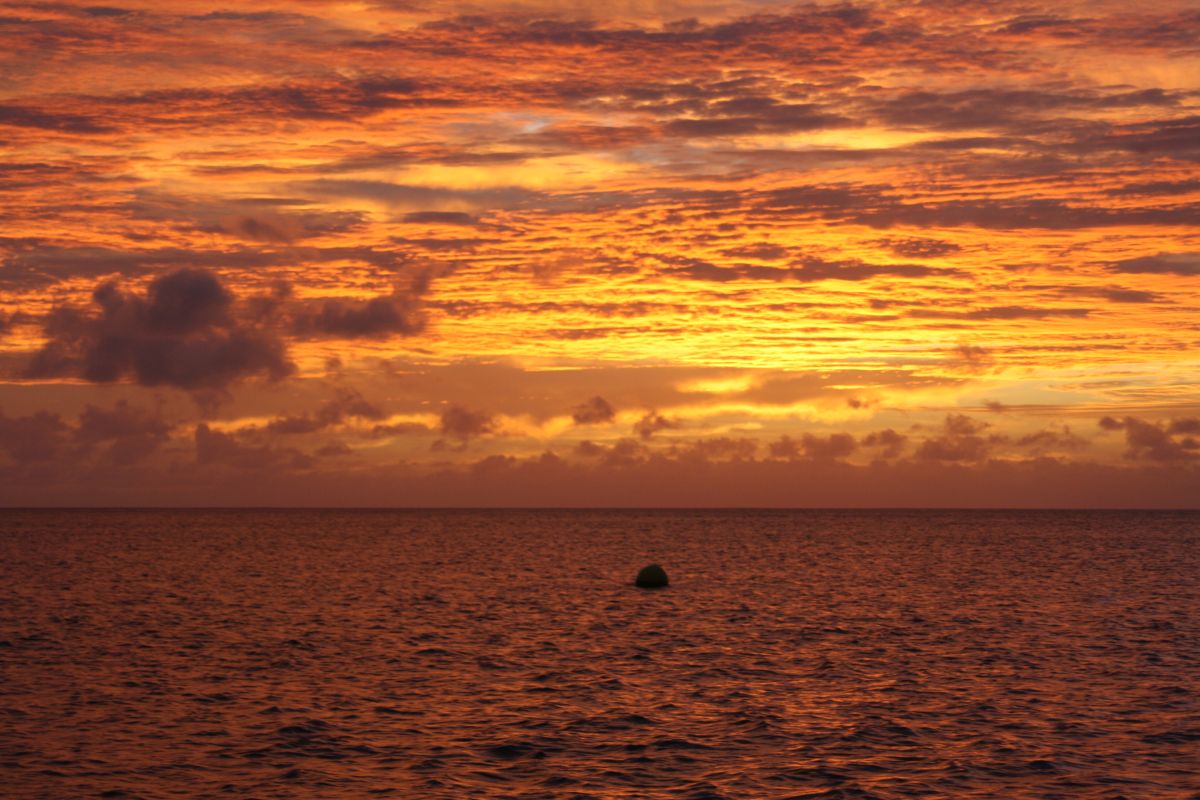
[1173, 441]
[595, 411]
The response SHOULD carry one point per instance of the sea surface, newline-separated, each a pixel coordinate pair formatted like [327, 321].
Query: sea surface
[506, 654]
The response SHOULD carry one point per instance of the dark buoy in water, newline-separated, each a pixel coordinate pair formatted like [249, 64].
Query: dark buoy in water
[651, 577]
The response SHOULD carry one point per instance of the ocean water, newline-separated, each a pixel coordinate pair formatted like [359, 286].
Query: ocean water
[506, 654]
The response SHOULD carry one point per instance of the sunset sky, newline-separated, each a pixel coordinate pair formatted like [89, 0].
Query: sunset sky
[625, 253]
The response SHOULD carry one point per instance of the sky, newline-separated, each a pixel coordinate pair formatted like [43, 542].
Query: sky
[634, 253]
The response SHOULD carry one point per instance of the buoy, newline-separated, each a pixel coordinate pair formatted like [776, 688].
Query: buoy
[651, 577]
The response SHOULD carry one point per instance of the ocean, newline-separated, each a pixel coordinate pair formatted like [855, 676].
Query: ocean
[507, 654]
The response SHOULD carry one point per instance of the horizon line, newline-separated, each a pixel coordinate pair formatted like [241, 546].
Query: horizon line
[1165, 509]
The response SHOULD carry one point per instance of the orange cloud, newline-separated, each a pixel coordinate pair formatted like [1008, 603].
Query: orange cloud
[662, 235]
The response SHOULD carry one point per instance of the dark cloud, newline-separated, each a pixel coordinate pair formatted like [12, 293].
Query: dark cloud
[106, 11]
[1185, 425]
[181, 333]
[806, 269]
[1116, 294]
[652, 423]
[287, 228]
[835, 445]
[1018, 110]
[1178, 138]
[961, 439]
[345, 404]
[972, 356]
[1037, 22]
[720, 449]
[589, 449]
[441, 218]
[121, 436]
[398, 429]
[1163, 263]
[999, 312]
[35, 438]
[1156, 188]
[763, 251]
[815, 269]
[784, 447]
[378, 317]
[810, 446]
[890, 443]
[1015, 215]
[215, 447]
[460, 424]
[257, 229]
[130, 433]
[624, 452]
[594, 411]
[24, 117]
[972, 353]
[1152, 441]
[446, 245]
[1052, 440]
[880, 206]
[658, 481]
[919, 248]
[697, 269]
[313, 100]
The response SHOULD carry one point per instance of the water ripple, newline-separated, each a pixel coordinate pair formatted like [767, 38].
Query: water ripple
[437, 655]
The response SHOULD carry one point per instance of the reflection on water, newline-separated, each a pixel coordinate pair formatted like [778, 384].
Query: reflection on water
[506, 654]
